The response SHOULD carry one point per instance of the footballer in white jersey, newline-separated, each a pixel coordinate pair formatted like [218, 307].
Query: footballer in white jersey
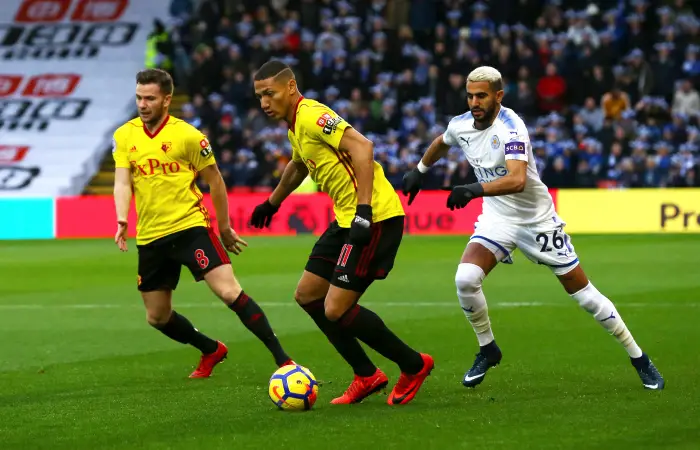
[518, 212]
[487, 152]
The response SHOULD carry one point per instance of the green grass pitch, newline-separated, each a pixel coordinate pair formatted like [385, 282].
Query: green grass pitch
[81, 369]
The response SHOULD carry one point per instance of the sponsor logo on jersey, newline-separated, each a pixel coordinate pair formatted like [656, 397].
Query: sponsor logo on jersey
[485, 175]
[515, 148]
[206, 148]
[328, 123]
[154, 167]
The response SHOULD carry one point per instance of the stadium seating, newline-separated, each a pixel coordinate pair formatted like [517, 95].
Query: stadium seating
[604, 91]
[63, 94]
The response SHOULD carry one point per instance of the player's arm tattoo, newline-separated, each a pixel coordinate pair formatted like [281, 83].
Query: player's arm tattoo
[293, 175]
[512, 183]
[219, 196]
[361, 152]
[122, 192]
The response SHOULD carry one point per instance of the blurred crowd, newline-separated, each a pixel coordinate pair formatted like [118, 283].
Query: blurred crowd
[608, 89]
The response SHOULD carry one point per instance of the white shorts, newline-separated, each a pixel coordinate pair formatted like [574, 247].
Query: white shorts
[543, 243]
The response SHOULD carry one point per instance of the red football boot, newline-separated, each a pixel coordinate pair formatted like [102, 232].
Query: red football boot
[289, 362]
[207, 362]
[362, 387]
[408, 385]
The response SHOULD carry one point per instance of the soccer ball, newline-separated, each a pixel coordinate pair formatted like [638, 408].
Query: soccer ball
[293, 388]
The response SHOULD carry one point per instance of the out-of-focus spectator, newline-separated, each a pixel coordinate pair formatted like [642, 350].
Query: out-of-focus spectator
[160, 50]
[640, 70]
[226, 167]
[556, 175]
[595, 83]
[244, 168]
[585, 178]
[615, 102]
[591, 115]
[551, 90]
[686, 100]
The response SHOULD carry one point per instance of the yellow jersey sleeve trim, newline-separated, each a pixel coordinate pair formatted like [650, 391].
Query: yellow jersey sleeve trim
[119, 151]
[199, 197]
[346, 162]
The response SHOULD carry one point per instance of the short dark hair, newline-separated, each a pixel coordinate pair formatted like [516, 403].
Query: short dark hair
[272, 69]
[156, 76]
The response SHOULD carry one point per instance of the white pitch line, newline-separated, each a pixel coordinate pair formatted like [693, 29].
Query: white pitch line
[454, 304]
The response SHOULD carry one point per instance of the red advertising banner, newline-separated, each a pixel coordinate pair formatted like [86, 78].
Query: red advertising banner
[94, 216]
[49, 11]
[89, 217]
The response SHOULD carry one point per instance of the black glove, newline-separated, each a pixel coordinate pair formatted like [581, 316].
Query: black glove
[462, 195]
[262, 214]
[412, 183]
[360, 229]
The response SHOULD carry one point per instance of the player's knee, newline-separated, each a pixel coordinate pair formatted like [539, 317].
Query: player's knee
[305, 294]
[468, 278]
[230, 295]
[590, 299]
[227, 288]
[334, 311]
[158, 318]
[301, 296]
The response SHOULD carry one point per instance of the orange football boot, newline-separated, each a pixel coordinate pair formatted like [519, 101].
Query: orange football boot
[362, 387]
[208, 361]
[408, 385]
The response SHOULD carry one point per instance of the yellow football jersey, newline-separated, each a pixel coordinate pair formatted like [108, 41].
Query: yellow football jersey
[315, 135]
[164, 167]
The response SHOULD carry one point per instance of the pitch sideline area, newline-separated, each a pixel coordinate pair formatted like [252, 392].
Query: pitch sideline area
[79, 367]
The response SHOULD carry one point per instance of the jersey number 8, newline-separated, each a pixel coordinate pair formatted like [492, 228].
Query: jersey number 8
[201, 258]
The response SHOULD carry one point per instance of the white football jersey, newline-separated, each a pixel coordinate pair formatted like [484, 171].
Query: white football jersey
[487, 151]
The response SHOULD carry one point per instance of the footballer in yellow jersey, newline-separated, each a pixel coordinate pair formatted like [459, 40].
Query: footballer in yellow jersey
[158, 158]
[360, 246]
[164, 166]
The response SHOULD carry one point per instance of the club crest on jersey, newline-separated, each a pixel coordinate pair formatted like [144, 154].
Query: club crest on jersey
[206, 148]
[495, 142]
[328, 123]
[167, 146]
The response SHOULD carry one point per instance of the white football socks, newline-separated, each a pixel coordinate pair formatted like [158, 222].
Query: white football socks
[471, 298]
[605, 313]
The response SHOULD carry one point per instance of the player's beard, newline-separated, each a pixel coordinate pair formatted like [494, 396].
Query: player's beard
[486, 120]
[156, 116]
